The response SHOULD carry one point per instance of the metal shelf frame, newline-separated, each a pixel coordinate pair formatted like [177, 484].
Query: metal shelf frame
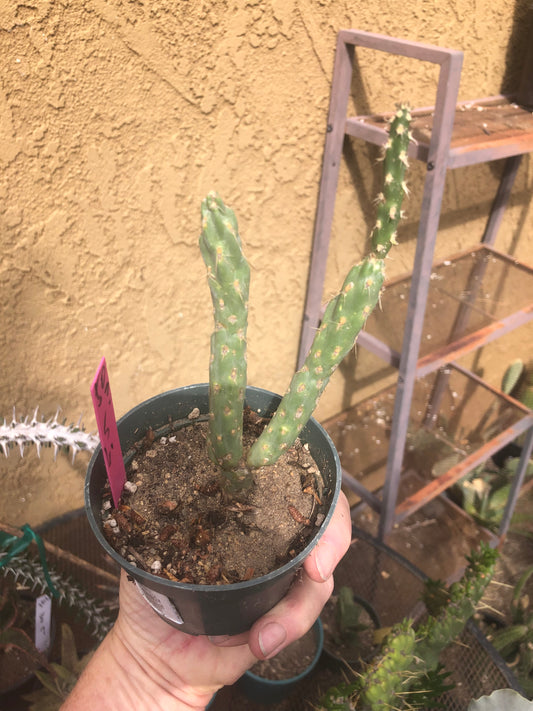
[441, 148]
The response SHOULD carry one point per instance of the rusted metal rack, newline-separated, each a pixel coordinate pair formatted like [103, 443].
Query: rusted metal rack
[447, 136]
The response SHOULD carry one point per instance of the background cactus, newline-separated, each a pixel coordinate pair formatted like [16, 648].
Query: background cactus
[344, 317]
[45, 433]
[28, 573]
[228, 276]
[410, 657]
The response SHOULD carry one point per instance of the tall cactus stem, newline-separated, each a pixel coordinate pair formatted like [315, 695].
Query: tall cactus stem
[228, 276]
[343, 319]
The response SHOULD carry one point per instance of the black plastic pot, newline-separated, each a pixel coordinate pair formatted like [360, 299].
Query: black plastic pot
[209, 609]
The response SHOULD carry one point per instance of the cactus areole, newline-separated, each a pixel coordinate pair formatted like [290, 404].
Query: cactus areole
[269, 477]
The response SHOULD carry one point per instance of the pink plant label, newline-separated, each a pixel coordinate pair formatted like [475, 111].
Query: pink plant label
[108, 431]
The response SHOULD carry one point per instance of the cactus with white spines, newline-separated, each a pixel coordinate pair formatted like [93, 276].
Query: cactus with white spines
[344, 317]
[27, 431]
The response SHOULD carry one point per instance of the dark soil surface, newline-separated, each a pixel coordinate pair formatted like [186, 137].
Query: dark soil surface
[177, 522]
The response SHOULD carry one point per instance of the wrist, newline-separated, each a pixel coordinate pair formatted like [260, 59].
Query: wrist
[118, 679]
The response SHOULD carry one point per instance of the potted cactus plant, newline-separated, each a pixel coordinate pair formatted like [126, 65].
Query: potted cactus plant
[250, 434]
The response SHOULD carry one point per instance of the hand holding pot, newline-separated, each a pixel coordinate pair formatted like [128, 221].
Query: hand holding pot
[145, 664]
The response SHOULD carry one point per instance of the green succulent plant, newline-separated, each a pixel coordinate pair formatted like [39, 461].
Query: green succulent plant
[228, 278]
[406, 674]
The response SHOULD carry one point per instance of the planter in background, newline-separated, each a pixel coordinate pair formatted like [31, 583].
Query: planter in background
[209, 609]
[270, 691]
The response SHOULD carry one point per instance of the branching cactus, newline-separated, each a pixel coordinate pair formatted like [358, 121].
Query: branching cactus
[344, 317]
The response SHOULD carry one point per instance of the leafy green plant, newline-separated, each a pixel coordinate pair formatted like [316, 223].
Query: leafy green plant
[406, 674]
[483, 492]
[228, 278]
[348, 618]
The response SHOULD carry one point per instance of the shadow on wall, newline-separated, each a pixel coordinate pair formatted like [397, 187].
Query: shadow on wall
[517, 78]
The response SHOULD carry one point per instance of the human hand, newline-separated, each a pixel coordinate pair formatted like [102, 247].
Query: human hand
[150, 665]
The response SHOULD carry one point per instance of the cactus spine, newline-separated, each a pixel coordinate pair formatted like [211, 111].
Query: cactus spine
[346, 314]
[229, 278]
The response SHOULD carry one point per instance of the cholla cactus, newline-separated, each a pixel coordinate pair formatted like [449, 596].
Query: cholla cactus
[409, 660]
[49, 433]
[345, 316]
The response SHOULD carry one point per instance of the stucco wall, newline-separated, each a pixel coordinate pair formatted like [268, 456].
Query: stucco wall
[116, 118]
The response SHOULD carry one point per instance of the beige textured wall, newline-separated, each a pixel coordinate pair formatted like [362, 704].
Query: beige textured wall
[117, 117]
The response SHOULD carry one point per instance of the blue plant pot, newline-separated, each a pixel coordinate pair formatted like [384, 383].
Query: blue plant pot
[269, 691]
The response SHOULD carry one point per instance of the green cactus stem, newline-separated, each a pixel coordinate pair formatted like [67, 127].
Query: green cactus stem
[410, 658]
[389, 211]
[343, 319]
[228, 276]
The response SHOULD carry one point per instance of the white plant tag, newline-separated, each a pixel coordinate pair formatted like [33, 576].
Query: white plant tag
[43, 618]
[160, 603]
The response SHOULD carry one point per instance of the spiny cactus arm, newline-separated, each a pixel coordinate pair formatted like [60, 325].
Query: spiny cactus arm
[29, 572]
[389, 209]
[464, 596]
[376, 688]
[26, 431]
[343, 319]
[389, 675]
[228, 275]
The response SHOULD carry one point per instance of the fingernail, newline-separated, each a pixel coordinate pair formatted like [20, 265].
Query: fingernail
[271, 638]
[324, 561]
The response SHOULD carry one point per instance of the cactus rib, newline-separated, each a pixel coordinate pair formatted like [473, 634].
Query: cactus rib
[228, 277]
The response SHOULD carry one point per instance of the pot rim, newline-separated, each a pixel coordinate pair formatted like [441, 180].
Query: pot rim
[195, 587]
